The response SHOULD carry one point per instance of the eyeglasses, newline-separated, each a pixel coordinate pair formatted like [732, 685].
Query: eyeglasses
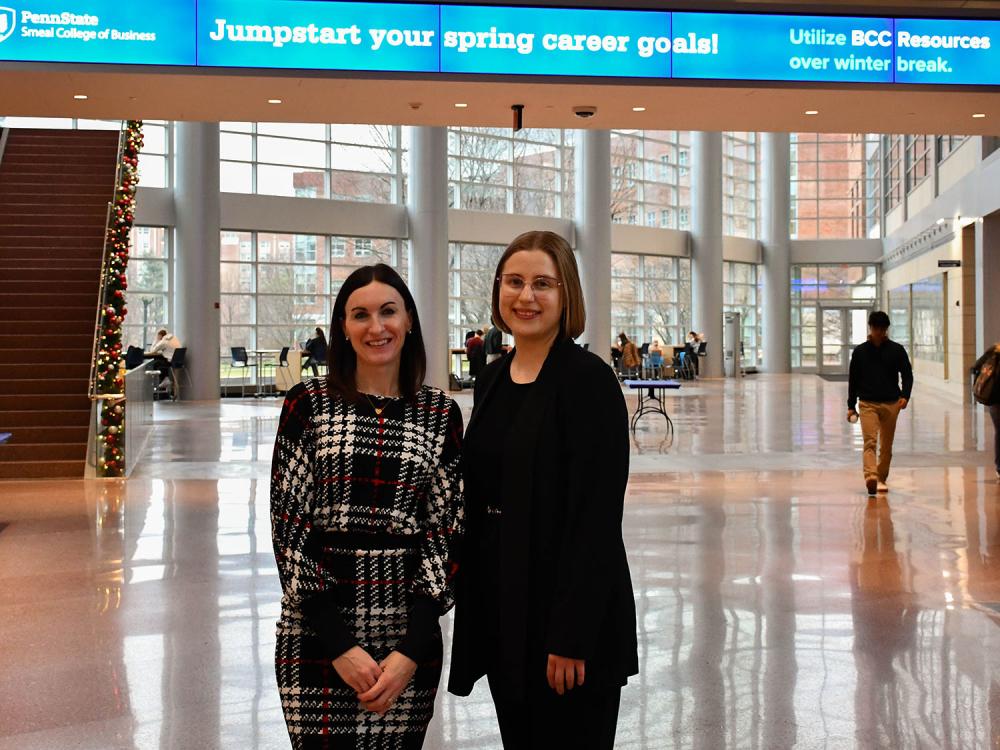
[539, 285]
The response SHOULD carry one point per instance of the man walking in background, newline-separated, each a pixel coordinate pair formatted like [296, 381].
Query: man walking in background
[877, 367]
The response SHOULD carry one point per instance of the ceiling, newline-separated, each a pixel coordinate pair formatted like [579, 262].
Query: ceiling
[197, 96]
[38, 90]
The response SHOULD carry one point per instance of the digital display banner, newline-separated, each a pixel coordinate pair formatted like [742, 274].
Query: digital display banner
[328, 36]
[496, 40]
[97, 31]
[931, 51]
[783, 48]
[477, 39]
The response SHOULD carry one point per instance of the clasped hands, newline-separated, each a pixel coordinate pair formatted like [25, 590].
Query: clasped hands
[377, 685]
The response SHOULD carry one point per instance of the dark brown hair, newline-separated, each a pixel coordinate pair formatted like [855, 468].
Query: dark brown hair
[574, 314]
[342, 362]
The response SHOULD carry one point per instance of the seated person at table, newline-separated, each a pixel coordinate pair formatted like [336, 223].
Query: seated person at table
[475, 352]
[162, 351]
[692, 345]
[656, 356]
[315, 351]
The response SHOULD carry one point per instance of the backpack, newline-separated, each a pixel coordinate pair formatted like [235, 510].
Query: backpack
[984, 390]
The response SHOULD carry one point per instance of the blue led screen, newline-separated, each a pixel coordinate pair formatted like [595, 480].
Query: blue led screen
[97, 31]
[782, 48]
[504, 41]
[555, 41]
[321, 35]
[933, 51]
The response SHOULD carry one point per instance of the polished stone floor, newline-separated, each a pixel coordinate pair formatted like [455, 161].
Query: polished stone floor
[778, 606]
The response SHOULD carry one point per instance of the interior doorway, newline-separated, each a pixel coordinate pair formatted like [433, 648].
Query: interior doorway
[841, 329]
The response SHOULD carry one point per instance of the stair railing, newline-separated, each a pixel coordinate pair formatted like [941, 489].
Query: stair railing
[4, 132]
[105, 257]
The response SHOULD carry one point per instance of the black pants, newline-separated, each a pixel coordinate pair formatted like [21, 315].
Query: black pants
[995, 413]
[162, 365]
[583, 718]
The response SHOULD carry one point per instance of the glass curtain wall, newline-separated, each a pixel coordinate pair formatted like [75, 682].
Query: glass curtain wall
[650, 178]
[832, 187]
[816, 287]
[946, 144]
[893, 151]
[740, 172]
[650, 298]
[311, 160]
[149, 286]
[741, 293]
[919, 159]
[278, 287]
[528, 172]
[470, 288]
[919, 318]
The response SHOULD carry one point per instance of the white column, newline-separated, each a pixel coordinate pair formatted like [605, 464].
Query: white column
[593, 235]
[776, 241]
[706, 246]
[196, 254]
[427, 206]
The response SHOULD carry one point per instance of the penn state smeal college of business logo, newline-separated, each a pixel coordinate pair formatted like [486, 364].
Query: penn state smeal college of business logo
[7, 18]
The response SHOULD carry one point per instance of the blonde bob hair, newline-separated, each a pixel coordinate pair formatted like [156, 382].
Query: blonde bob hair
[574, 314]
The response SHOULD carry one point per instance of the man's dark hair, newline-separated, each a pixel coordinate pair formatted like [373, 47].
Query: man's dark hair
[479, 332]
[878, 319]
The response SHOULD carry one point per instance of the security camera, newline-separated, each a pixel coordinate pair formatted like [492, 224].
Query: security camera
[584, 113]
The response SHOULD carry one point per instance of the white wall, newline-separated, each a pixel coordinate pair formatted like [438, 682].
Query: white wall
[958, 163]
[836, 251]
[485, 228]
[950, 376]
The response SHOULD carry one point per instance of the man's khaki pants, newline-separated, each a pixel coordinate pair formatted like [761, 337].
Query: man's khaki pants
[878, 426]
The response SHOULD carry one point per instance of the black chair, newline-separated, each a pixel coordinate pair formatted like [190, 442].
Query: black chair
[240, 361]
[282, 363]
[702, 352]
[178, 364]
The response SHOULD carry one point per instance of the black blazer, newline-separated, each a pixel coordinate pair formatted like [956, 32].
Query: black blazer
[565, 585]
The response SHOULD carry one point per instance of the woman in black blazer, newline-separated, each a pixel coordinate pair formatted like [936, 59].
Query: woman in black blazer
[544, 603]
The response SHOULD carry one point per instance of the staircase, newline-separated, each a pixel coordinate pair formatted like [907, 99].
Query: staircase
[54, 189]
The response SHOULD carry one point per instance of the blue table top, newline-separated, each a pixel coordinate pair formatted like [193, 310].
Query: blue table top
[653, 383]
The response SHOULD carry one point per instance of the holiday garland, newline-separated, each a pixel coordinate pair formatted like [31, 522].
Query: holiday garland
[110, 378]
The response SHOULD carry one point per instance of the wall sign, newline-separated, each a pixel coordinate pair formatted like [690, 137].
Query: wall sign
[496, 40]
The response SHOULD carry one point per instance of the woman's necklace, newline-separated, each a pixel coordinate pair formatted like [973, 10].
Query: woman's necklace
[378, 409]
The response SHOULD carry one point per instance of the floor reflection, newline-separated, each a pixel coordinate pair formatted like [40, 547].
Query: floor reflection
[778, 608]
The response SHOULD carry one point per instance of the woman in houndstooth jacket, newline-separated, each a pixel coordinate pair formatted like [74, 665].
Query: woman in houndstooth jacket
[366, 509]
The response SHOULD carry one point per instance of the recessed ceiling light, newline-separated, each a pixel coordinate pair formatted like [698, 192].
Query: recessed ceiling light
[274, 101]
[979, 115]
[638, 109]
[940, 221]
[461, 105]
[812, 111]
[80, 96]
